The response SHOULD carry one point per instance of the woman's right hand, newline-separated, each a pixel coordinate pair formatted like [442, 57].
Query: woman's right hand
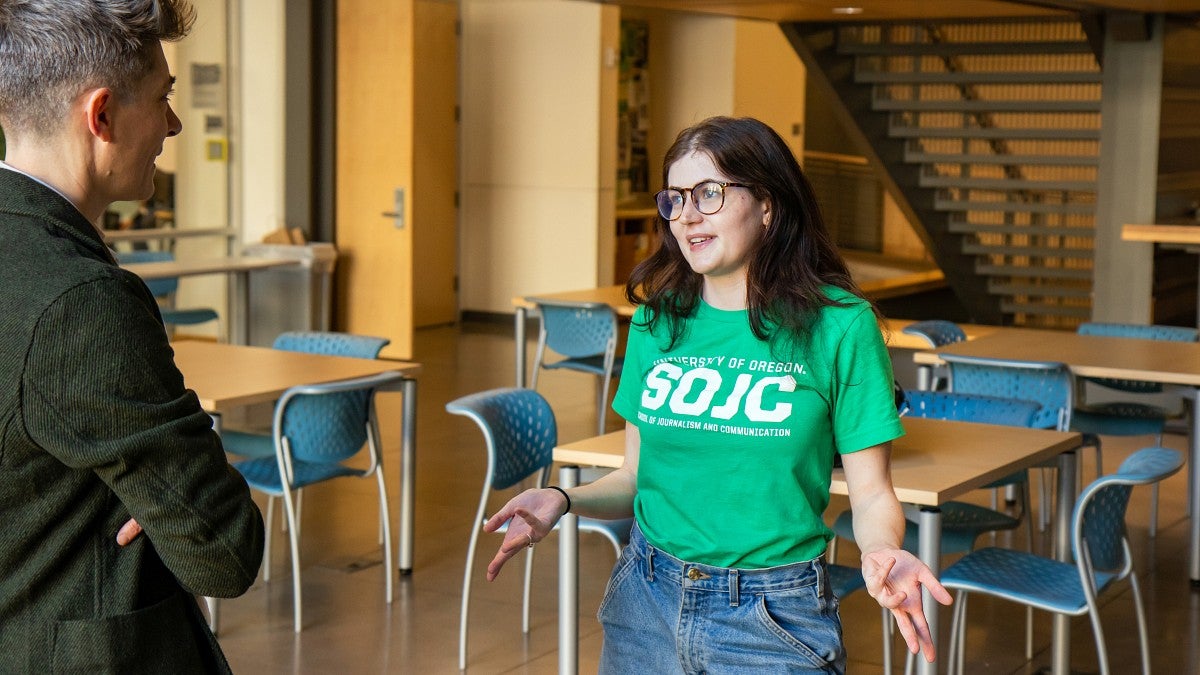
[531, 516]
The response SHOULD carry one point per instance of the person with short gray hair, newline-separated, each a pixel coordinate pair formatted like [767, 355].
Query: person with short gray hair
[118, 502]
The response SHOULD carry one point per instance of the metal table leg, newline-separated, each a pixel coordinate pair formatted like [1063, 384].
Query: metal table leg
[408, 474]
[930, 550]
[1061, 636]
[568, 581]
[519, 336]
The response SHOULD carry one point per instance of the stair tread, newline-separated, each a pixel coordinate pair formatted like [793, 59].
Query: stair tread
[962, 48]
[918, 157]
[981, 77]
[946, 204]
[1034, 272]
[1008, 183]
[985, 105]
[1035, 251]
[909, 131]
[965, 227]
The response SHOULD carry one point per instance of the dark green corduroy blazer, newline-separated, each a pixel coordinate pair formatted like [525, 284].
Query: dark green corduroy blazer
[95, 427]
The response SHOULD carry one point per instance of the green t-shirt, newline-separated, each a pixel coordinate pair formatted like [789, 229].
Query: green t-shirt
[736, 444]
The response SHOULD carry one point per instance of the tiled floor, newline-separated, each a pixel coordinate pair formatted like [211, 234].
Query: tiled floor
[348, 628]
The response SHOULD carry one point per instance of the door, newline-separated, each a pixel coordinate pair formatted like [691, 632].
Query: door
[395, 194]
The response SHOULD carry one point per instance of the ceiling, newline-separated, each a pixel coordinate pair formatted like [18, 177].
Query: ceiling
[887, 10]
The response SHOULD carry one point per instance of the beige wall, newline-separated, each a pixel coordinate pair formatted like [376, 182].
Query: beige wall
[533, 173]
[768, 80]
[202, 195]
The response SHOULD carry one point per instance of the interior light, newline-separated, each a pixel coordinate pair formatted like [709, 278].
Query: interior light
[847, 10]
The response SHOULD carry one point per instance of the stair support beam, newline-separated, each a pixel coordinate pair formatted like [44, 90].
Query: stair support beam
[1130, 118]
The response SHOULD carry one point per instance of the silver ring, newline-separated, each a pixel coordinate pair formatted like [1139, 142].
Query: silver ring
[530, 537]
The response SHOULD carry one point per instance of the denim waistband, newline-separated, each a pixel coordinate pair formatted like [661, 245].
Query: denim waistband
[734, 581]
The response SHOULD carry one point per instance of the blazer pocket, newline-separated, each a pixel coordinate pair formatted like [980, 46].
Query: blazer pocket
[155, 639]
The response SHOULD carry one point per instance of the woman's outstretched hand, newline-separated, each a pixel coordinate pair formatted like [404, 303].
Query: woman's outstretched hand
[894, 578]
[531, 516]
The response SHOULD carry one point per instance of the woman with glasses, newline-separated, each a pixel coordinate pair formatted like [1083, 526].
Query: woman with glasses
[753, 358]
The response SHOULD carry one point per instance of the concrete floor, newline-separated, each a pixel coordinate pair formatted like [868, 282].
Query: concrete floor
[348, 627]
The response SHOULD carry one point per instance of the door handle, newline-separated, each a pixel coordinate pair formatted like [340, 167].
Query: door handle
[397, 214]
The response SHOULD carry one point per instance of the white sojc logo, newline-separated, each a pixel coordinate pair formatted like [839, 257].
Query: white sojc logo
[668, 384]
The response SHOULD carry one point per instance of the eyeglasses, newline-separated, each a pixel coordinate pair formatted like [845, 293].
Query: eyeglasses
[708, 196]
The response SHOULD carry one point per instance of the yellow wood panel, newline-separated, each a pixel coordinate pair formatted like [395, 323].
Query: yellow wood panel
[435, 166]
[374, 158]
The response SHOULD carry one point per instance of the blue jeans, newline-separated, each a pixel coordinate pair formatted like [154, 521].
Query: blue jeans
[664, 615]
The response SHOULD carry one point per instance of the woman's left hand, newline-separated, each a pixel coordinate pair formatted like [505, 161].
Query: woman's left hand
[894, 578]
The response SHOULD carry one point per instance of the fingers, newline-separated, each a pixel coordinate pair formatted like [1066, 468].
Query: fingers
[128, 532]
[935, 588]
[877, 579]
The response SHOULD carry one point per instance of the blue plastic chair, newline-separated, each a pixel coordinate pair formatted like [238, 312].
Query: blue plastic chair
[164, 290]
[1127, 418]
[937, 332]
[520, 433]
[316, 428]
[1048, 383]
[247, 444]
[1100, 547]
[585, 333]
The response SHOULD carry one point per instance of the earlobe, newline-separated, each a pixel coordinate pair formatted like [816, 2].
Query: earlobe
[97, 108]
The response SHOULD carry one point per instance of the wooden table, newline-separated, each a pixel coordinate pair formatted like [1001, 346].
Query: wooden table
[227, 376]
[1171, 363]
[237, 267]
[934, 462]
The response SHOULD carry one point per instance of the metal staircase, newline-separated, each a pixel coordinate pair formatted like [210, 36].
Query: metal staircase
[989, 137]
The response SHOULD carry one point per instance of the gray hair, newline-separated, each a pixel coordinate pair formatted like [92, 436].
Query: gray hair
[53, 50]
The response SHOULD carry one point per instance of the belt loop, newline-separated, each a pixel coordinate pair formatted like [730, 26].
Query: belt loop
[649, 563]
[820, 568]
[733, 588]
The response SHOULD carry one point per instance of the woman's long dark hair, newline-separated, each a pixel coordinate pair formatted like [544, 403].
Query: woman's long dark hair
[795, 257]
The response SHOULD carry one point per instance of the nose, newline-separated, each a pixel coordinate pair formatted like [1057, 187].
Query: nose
[174, 124]
[690, 213]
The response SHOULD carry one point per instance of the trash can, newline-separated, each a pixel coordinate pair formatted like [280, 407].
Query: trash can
[292, 297]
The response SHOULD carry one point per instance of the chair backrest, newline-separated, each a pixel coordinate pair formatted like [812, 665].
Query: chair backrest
[945, 405]
[331, 344]
[519, 428]
[577, 329]
[329, 426]
[1098, 522]
[937, 332]
[159, 288]
[1046, 383]
[1141, 332]
[329, 422]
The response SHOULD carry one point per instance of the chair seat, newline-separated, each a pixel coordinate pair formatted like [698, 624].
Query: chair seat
[245, 444]
[1119, 418]
[1023, 577]
[263, 474]
[188, 317]
[587, 364]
